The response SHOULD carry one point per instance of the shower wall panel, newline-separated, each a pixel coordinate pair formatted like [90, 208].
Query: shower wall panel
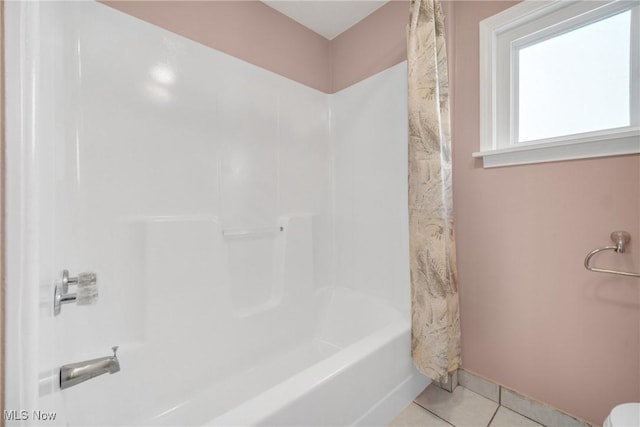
[369, 130]
[196, 186]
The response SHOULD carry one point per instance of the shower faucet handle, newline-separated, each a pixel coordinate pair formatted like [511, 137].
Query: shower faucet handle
[115, 349]
[83, 279]
[86, 290]
[86, 279]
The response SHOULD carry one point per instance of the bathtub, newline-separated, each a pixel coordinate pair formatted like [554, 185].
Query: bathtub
[354, 369]
[331, 356]
[348, 373]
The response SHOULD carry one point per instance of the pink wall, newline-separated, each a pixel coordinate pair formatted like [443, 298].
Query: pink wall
[262, 36]
[249, 30]
[373, 45]
[532, 317]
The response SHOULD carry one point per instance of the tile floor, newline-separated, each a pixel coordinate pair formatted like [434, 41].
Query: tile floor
[435, 407]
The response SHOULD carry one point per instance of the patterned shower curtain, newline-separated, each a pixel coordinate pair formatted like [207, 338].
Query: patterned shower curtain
[435, 343]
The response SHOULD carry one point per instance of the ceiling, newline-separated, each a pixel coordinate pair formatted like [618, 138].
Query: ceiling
[328, 18]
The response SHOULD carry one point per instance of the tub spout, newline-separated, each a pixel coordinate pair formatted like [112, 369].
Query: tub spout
[76, 373]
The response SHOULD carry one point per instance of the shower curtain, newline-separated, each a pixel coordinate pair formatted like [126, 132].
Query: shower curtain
[435, 343]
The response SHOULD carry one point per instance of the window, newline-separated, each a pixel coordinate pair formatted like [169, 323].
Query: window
[560, 80]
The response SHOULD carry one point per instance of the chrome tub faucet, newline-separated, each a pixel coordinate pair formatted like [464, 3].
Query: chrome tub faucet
[76, 373]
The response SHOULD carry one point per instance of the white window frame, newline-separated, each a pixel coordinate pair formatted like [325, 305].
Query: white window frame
[527, 23]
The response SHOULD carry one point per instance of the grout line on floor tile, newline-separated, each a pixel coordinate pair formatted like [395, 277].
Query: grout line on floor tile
[434, 414]
[493, 416]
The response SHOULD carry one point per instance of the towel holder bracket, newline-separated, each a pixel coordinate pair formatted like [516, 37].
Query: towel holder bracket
[621, 239]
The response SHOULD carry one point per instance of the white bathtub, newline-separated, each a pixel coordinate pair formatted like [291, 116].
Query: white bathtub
[335, 356]
[352, 372]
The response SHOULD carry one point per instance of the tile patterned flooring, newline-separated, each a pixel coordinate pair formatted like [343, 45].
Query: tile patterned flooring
[435, 407]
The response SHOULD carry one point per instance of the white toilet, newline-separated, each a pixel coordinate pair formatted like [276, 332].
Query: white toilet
[625, 415]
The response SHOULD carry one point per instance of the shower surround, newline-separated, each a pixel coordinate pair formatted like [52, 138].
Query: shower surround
[249, 233]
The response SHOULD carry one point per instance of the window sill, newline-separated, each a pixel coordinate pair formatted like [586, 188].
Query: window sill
[583, 146]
